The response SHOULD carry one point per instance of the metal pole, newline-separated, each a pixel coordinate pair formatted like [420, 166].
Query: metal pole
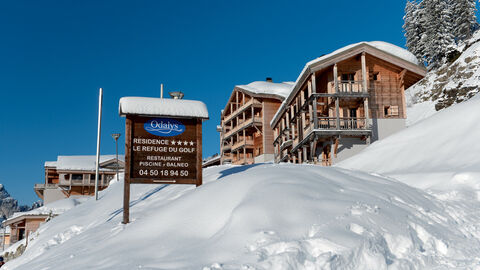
[115, 136]
[116, 151]
[98, 141]
[161, 90]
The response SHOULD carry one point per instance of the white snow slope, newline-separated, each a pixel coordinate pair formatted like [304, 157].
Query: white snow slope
[262, 216]
[439, 153]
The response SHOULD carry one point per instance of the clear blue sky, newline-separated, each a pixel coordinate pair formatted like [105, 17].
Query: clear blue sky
[54, 55]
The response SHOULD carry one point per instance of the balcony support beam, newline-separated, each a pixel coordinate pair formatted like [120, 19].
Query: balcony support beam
[337, 112]
[365, 100]
[314, 102]
[335, 78]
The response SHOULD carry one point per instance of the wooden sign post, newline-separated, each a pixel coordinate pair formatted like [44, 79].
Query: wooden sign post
[164, 148]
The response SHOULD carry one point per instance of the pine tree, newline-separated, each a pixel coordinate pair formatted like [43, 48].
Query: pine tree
[432, 26]
[410, 28]
[465, 21]
[439, 31]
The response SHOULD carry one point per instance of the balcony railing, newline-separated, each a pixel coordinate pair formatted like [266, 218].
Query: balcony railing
[241, 126]
[241, 161]
[227, 147]
[241, 109]
[345, 123]
[348, 87]
[227, 157]
[86, 182]
[242, 143]
[45, 186]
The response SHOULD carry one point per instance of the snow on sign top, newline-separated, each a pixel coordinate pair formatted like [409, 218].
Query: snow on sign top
[269, 88]
[162, 107]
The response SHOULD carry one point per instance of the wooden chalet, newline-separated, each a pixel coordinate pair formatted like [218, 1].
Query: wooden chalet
[22, 225]
[245, 133]
[75, 175]
[5, 233]
[343, 101]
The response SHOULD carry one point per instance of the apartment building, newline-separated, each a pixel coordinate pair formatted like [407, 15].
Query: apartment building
[245, 133]
[343, 101]
[75, 175]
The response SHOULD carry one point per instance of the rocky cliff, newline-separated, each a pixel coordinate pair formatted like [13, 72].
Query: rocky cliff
[9, 205]
[454, 82]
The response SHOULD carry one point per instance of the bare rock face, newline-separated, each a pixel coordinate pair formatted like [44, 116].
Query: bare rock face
[454, 82]
[9, 205]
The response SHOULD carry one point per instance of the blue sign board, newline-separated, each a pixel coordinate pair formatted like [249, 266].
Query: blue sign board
[164, 127]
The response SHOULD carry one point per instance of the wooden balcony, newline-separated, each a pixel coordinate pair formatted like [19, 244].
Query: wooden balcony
[251, 102]
[85, 183]
[226, 147]
[45, 186]
[242, 161]
[248, 122]
[243, 143]
[344, 123]
[347, 88]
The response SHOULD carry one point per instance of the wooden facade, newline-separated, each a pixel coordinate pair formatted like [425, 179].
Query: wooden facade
[23, 225]
[336, 98]
[245, 132]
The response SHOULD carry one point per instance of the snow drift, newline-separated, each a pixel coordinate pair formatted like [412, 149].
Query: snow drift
[438, 152]
[258, 217]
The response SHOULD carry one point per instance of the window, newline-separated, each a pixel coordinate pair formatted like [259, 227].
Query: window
[91, 177]
[77, 177]
[391, 110]
[348, 77]
[375, 76]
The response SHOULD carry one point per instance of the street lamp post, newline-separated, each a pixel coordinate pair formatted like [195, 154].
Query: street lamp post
[115, 136]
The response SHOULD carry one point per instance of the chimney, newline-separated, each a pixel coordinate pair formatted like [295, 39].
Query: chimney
[269, 79]
[176, 95]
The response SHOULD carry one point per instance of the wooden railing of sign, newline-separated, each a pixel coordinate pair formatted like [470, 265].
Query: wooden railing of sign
[126, 188]
[199, 152]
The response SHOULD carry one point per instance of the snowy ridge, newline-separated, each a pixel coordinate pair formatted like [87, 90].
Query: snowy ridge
[258, 217]
[441, 150]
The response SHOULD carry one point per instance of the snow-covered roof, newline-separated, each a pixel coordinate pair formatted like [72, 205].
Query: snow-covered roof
[163, 107]
[53, 208]
[268, 88]
[50, 163]
[393, 50]
[83, 163]
[381, 45]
